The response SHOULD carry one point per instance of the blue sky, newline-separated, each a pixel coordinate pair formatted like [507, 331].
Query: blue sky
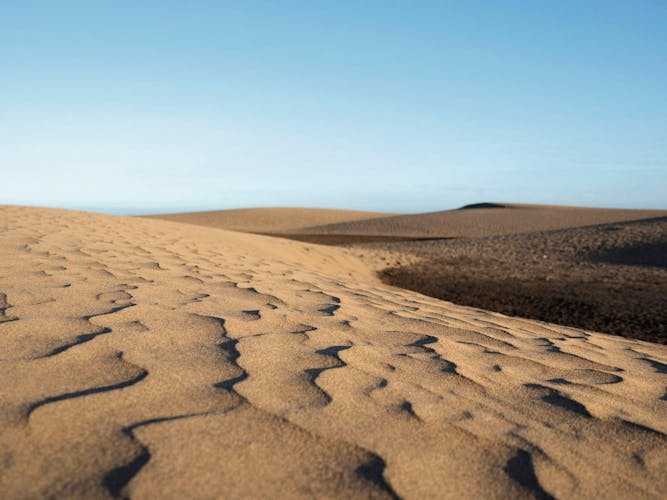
[145, 106]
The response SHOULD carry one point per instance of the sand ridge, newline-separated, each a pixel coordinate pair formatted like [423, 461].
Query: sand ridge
[143, 358]
[269, 220]
[483, 222]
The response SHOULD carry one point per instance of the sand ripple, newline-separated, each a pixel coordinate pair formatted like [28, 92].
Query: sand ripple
[143, 358]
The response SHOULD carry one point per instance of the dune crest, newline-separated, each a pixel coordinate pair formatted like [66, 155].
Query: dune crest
[144, 358]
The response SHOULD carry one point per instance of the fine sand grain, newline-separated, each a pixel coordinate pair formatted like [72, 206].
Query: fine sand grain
[151, 359]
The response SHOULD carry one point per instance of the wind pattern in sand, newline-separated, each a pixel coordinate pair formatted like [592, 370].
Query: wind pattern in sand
[150, 359]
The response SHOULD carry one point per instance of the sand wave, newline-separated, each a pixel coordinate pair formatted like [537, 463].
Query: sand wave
[146, 358]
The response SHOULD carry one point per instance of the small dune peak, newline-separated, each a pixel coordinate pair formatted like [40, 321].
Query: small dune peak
[484, 204]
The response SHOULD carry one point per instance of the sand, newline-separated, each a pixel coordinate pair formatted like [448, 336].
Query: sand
[483, 222]
[144, 358]
[610, 278]
[269, 220]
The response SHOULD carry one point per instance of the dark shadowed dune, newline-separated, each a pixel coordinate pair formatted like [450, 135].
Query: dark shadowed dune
[482, 205]
[609, 278]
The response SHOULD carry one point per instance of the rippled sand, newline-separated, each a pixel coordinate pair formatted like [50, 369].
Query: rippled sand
[147, 359]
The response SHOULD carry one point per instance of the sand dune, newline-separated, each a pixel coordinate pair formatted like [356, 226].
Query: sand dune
[481, 222]
[145, 358]
[609, 277]
[269, 220]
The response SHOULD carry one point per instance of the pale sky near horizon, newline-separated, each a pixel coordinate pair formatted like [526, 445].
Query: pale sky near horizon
[150, 106]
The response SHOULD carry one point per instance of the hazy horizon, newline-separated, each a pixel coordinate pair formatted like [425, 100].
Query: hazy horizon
[123, 107]
[176, 209]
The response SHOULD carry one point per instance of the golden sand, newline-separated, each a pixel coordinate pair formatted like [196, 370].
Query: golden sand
[269, 220]
[154, 359]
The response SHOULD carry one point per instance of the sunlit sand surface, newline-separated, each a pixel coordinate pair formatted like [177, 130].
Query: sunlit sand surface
[151, 359]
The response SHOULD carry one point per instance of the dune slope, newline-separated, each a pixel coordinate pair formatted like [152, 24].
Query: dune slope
[142, 358]
[610, 277]
[269, 220]
[482, 222]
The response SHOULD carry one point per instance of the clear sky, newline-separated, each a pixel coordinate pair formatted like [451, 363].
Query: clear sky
[143, 106]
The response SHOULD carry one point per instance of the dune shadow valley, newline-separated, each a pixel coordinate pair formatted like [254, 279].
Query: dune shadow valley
[493, 351]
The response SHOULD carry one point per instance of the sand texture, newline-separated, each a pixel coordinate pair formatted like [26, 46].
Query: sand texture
[150, 359]
[610, 278]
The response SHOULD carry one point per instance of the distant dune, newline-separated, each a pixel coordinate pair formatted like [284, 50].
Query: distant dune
[143, 358]
[335, 227]
[269, 220]
[482, 220]
[484, 204]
